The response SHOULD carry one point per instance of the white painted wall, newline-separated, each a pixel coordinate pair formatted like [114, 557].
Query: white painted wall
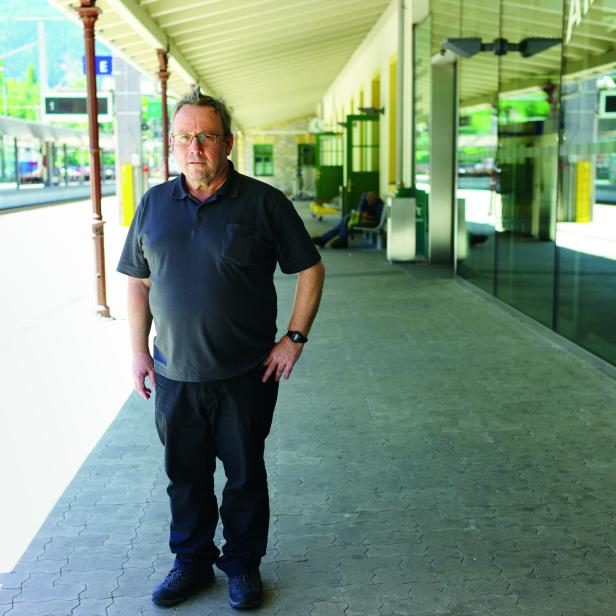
[373, 57]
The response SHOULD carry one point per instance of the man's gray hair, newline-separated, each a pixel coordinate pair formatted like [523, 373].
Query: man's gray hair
[198, 99]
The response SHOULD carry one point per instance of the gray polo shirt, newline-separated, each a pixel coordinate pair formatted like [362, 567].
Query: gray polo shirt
[212, 266]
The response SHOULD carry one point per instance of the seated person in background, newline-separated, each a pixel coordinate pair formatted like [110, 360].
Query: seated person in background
[368, 214]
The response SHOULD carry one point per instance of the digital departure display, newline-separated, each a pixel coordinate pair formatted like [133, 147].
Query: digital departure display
[610, 103]
[56, 105]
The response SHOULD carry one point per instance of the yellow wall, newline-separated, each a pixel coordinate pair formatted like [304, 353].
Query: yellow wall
[390, 114]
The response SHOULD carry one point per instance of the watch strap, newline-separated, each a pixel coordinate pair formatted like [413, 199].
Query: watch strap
[296, 336]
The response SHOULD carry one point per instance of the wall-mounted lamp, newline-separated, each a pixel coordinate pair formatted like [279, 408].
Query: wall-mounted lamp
[468, 47]
[372, 110]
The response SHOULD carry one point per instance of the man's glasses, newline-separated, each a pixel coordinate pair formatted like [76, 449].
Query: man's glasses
[185, 139]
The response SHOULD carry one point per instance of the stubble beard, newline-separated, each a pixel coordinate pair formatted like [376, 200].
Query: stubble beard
[207, 174]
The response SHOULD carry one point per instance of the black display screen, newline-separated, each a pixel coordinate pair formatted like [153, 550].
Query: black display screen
[72, 105]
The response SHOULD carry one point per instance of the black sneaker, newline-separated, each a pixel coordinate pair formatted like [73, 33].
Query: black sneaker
[338, 243]
[179, 585]
[318, 240]
[245, 591]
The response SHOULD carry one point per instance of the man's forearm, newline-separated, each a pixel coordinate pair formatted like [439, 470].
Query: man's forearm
[307, 298]
[139, 315]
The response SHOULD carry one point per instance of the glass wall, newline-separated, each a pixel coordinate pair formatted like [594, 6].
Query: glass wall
[527, 160]
[586, 224]
[421, 103]
[536, 153]
[477, 198]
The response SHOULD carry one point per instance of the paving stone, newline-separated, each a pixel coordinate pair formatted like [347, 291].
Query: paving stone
[293, 574]
[98, 584]
[40, 566]
[134, 583]
[129, 606]
[92, 607]
[95, 563]
[42, 587]
[417, 494]
[362, 599]
[44, 608]
[13, 580]
[327, 608]
[8, 594]
[300, 600]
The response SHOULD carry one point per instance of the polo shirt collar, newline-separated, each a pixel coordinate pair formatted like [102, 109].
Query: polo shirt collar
[229, 189]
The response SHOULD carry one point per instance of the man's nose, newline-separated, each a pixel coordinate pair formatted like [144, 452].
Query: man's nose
[195, 146]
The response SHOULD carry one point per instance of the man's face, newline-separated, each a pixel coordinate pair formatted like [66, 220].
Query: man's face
[201, 164]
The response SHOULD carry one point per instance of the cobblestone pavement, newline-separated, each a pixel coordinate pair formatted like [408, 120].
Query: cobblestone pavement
[430, 455]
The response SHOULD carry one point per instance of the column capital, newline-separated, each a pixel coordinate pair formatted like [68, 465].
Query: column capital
[88, 13]
[163, 58]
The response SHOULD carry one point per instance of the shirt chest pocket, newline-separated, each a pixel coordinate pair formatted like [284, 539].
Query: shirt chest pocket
[242, 245]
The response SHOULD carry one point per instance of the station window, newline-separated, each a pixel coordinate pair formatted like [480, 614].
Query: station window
[263, 159]
[306, 155]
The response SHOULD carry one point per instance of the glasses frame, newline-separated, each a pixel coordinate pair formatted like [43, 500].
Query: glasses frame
[218, 139]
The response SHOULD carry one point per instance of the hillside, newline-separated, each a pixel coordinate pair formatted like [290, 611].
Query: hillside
[64, 42]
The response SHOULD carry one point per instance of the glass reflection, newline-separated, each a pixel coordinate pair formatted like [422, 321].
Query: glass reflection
[476, 151]
[586, 225]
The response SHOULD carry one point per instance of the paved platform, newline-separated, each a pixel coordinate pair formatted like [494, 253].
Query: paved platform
[430, 455]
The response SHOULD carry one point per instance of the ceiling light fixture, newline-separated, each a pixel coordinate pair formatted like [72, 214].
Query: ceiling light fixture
[372, 110]
[468, 47]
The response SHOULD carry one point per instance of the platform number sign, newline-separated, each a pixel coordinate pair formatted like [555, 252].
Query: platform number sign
[103, 65]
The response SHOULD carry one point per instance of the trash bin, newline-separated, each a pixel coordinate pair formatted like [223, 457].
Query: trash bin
[401, 228]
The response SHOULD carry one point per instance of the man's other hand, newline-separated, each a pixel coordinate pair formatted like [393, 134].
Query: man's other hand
[143, 366]
[282, 358]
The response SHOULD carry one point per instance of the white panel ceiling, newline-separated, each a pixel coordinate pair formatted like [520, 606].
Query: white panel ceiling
[272, 60]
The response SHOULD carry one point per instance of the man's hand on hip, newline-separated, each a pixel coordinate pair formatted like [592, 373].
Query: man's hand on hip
[282, 358]
[143, 366]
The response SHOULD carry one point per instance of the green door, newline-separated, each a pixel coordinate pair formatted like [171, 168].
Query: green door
[329, 163]
[361, 172]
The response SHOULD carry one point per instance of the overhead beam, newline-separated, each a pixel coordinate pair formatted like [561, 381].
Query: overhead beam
[142, 23]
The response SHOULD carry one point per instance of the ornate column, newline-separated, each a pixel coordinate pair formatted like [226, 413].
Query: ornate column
[88, 14]
[163, 75]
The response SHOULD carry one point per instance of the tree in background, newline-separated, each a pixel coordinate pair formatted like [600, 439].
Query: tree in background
[20, 97]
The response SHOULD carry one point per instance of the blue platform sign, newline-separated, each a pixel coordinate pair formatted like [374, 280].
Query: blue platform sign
[103, 65]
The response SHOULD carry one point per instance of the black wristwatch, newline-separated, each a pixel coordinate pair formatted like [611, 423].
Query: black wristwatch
[297, 336]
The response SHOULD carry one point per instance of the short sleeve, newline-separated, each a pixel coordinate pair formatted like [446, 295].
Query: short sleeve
[295, 250]
[132, 261]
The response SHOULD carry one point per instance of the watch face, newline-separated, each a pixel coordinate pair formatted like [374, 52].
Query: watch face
[296, 337]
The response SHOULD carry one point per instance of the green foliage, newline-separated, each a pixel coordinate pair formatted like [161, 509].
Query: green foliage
[513, 111]
[476, 122]
[22, 96]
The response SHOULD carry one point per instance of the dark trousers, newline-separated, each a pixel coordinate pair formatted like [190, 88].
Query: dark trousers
[197, 423]
[341, 230]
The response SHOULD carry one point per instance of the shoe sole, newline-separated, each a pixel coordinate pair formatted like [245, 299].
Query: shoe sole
[238, 605]
[171, 602]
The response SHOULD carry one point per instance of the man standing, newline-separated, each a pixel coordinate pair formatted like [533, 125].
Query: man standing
[200, 256]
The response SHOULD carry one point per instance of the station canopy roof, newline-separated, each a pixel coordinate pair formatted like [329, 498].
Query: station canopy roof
[272, 60]
[25, 131]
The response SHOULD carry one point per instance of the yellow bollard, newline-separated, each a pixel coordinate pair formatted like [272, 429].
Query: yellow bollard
[583, 191]
[128, 199]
